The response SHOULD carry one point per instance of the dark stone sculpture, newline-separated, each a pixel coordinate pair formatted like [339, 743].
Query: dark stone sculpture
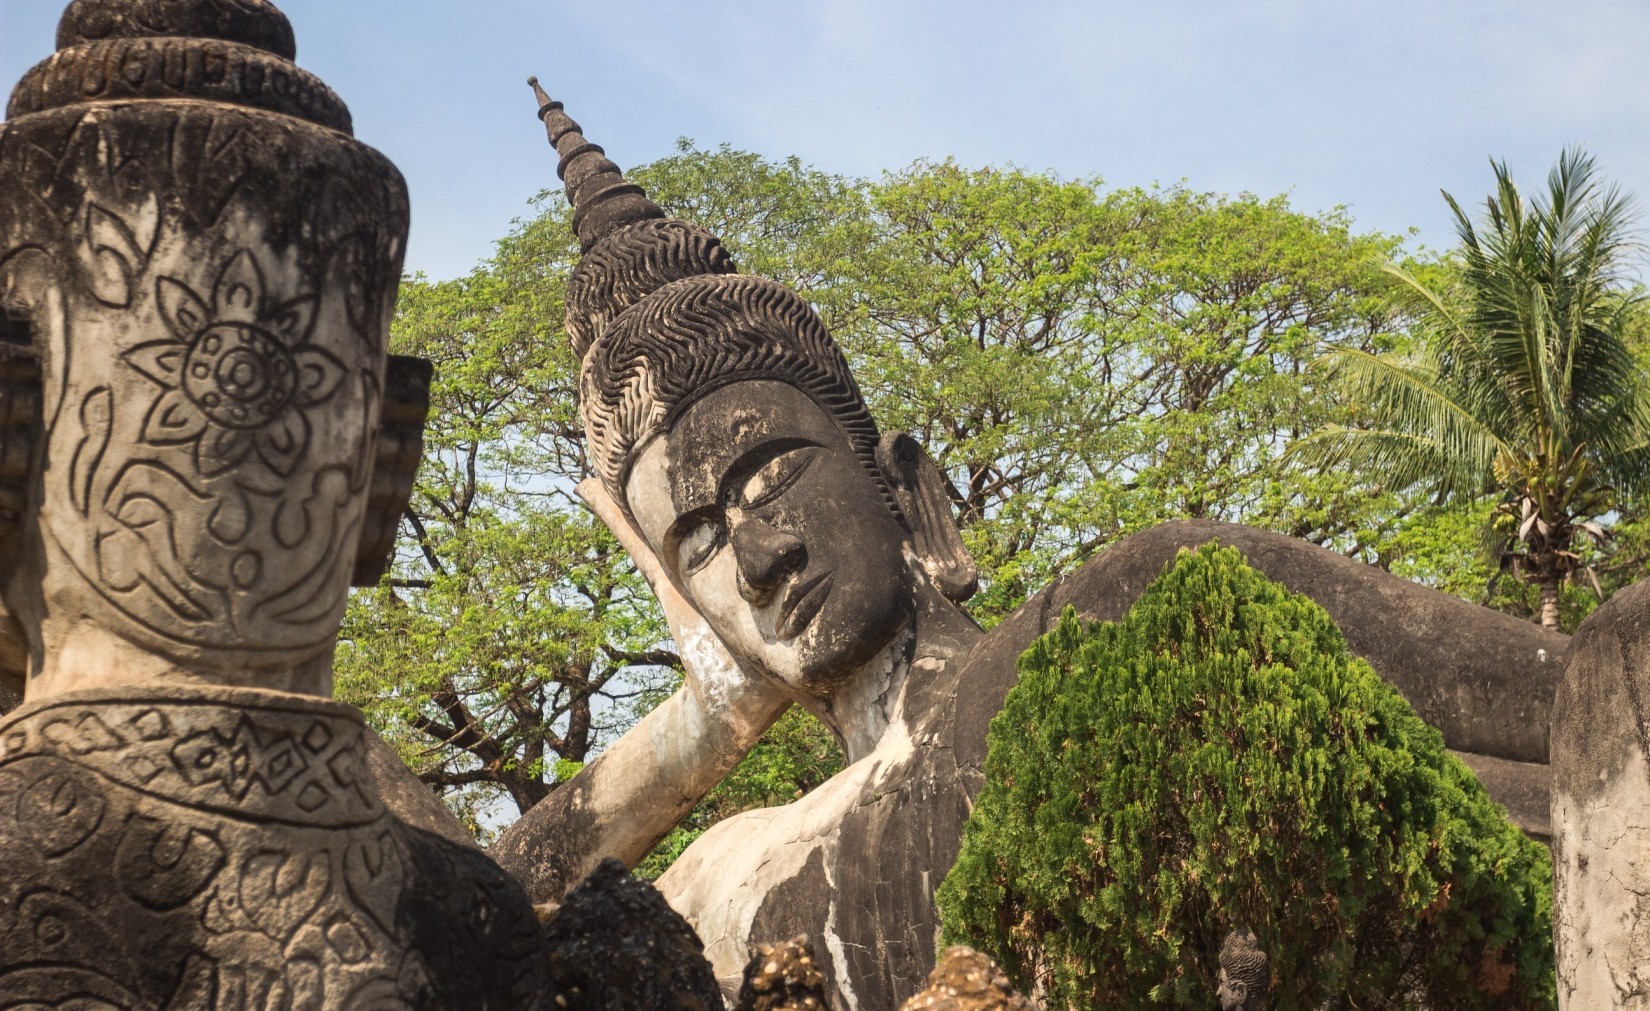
[202, 443]
[1245, 979]
[190, 848]
[616, 946]
[802, 555]
[966, 980]
[783, 977]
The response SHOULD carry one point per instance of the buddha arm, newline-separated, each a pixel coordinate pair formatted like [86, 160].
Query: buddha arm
[641, 787]
[624, 802]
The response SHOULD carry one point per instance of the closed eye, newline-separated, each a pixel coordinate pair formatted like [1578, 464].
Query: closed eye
[770, 480]
[698, 545]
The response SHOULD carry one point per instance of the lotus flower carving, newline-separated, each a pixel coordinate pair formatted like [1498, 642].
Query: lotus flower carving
[238, 373]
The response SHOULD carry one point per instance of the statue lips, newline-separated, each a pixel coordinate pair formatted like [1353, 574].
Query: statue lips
[801, 605]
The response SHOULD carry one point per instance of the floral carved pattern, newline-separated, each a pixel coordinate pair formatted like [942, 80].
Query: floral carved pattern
[239, 374]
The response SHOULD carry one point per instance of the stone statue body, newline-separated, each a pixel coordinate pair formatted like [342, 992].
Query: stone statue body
[205, 441]
[803, 556]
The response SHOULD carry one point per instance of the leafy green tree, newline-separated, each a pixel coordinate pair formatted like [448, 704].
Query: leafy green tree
[1523, 385]
[512, 627]
[1219, 759]
[1085, 364]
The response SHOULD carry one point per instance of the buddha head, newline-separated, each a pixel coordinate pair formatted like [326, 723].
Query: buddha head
[1244, 979]
[197, 269]
[725, 420]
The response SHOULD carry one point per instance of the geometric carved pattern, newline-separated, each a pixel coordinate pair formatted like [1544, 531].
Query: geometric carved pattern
[224, 850]
[299, 762]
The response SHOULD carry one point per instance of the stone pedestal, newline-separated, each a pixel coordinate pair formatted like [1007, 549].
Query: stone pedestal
[226, 849]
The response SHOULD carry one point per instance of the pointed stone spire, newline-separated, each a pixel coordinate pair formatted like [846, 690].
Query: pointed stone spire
[603, 202]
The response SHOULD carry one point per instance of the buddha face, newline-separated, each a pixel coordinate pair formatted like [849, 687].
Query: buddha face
[759, 508]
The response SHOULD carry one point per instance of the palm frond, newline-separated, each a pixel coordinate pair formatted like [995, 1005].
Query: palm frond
[1524, 380]
[1414, 408]
[1393, 459]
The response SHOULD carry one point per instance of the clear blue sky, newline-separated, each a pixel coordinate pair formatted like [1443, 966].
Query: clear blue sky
[1375, 104]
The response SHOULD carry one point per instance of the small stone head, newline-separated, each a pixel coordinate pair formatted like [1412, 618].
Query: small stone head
[723, 416]
[198, 264]
[1245, 979]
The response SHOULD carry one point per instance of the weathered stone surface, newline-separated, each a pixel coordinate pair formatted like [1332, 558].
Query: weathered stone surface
[1601, 810]
[1485, 679]
[783, 977]
[206, 284]
[1525, 789]
[256, 23]
[405, 795]
[192, 847]
[966, 980]
[615, 945]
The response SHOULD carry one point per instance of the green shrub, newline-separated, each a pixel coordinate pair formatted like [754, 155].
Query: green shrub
[1219, 758]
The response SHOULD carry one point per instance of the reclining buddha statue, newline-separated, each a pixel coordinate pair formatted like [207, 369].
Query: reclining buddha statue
[804, 556]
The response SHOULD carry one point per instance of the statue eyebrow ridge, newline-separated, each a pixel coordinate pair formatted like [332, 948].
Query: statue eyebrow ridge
[754, 458]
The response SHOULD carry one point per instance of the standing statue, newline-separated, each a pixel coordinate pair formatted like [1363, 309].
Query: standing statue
[802, 555]
[202, 441]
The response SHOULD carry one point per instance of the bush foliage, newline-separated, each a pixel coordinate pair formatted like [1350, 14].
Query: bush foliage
[1219, 758]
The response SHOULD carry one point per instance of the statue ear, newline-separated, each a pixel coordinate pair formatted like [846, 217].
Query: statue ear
[19, 428]
[19, 419]
[400, 447]
[924, 496]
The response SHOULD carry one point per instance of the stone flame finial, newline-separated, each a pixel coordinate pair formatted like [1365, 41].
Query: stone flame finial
[603, 201]
[631, 249]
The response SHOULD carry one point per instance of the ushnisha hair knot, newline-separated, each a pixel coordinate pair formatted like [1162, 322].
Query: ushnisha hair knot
[696, 335]
[659, 318]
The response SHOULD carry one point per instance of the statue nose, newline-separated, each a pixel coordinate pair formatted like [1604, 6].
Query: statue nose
[766, 556]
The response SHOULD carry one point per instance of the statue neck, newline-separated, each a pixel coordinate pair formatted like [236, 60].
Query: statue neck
[860, 712]
[79, 655]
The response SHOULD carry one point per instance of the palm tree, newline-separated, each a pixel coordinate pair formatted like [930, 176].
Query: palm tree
[1523, 383]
